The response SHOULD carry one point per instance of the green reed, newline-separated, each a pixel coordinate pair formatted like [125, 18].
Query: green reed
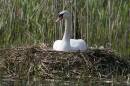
[99, 22]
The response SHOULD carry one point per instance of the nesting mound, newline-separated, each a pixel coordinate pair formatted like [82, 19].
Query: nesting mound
[45, 63]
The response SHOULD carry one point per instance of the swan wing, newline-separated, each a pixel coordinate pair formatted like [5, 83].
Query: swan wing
[78, 44]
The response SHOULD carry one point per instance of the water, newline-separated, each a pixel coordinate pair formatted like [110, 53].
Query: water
[53, 82]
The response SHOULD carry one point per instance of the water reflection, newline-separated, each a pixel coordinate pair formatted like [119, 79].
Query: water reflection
[52, 82]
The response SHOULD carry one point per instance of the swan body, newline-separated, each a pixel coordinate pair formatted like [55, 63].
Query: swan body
[67, 44]
[74, 45]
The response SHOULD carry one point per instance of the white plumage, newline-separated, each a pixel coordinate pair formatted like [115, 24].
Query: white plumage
[67, 44]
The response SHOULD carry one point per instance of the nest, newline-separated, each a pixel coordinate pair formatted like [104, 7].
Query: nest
[30, 62]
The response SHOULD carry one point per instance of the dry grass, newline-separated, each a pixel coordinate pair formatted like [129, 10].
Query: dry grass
[34, 62]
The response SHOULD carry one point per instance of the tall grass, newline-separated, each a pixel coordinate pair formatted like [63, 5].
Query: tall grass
[99, 22]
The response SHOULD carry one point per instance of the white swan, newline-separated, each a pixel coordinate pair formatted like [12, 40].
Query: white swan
[67, 44]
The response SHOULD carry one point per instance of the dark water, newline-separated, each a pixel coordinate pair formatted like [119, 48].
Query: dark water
[52, 82]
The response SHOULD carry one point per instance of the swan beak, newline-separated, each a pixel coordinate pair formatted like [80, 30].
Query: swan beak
[58, 19]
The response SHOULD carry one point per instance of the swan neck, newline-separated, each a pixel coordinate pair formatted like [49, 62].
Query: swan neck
[67, 33]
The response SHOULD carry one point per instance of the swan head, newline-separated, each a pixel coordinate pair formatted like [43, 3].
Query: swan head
[63, 15]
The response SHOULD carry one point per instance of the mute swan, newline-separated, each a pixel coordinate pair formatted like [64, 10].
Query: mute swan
[67, 44]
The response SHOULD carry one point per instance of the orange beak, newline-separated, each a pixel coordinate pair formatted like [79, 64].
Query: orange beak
[60, 17]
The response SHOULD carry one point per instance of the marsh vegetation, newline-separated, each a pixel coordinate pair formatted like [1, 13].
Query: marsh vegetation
[24, 23]
[99, 22]
[34, 65]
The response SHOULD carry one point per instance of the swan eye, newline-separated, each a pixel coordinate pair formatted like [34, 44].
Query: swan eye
[60, 15]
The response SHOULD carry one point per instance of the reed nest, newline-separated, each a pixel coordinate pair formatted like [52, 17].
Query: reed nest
[30, 62]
